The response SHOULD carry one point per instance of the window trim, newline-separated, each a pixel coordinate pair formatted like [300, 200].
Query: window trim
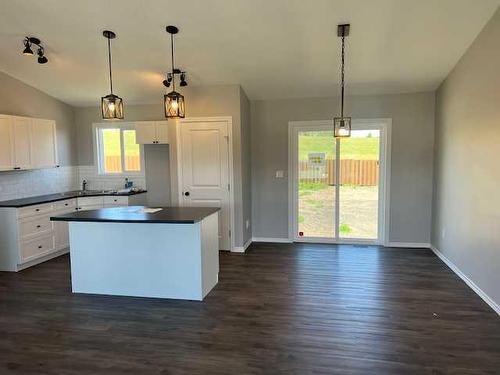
[98, 162]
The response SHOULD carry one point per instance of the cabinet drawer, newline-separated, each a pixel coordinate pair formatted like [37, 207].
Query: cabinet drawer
[87, 208]
[36, 247]
[39, 209]
[66, 205]
[29, 227]
[90, 201]
[115, 201]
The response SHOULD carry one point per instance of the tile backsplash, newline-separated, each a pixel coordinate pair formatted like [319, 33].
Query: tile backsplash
[21, 184]
[100, 182]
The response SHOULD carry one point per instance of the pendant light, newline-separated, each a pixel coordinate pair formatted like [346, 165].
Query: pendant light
[342, 125]
[174, 101]
[111, 104]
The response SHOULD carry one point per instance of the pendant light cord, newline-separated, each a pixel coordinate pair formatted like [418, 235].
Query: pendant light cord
[172, 54]
[342, 77]
[109, 61]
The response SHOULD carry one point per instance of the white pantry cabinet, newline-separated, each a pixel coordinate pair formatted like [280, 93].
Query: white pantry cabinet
[151, 132]
[27, 143]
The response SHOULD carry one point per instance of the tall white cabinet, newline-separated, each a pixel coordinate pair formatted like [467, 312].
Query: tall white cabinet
[27, 143]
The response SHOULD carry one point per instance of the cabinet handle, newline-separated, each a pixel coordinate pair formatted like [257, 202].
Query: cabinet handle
[40, 246]
[17, 167]
[37, 209]
[38, 226]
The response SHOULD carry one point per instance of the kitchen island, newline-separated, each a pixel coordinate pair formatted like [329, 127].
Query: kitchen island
[132, 251]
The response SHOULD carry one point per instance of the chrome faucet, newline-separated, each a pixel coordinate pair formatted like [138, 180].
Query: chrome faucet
[84, 185]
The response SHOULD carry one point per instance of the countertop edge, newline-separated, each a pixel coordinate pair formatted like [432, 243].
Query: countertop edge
[50, 200]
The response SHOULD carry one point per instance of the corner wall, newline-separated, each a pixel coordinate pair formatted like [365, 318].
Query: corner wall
[466, 204]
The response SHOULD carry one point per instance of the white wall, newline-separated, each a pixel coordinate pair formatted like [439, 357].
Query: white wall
[412, 155]
[466, 207]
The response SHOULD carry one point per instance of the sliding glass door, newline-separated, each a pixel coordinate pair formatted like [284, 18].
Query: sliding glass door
[338, 185]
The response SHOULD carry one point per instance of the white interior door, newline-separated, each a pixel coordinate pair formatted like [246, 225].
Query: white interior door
[204, 175]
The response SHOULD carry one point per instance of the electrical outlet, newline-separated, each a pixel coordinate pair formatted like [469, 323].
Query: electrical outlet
[280, 174]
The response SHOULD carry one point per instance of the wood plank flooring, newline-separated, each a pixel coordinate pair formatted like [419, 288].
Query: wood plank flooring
[291, 309]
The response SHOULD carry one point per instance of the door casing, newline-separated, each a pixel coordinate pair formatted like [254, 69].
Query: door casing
[385, 125]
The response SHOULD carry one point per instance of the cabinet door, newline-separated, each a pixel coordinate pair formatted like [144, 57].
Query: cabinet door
[21, 130]
[6, 144]
[145, 132]
[162, 132]
[44, 143]
[62, 234]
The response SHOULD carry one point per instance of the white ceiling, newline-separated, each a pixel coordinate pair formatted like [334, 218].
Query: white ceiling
[273, 48]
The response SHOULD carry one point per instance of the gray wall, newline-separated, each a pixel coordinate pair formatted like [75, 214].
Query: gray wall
[246, 166]
[17, 98]
[200, 102]
[412, 156]
[466, 223]
[157, 171]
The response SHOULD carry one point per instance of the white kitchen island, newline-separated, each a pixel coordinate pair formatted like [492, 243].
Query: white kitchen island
[172, 253]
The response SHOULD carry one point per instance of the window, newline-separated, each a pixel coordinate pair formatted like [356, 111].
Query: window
[117, 152]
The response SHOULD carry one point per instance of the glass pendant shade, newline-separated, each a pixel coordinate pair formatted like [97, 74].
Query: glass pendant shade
[112, 107]
[174, 105]
[342, 126]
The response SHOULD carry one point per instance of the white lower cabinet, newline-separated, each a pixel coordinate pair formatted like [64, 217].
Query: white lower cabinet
[28, 237]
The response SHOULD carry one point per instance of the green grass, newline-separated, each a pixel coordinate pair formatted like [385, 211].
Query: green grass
[351, 148]
[345, 228]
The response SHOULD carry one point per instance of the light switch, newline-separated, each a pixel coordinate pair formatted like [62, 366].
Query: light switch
[280, 174]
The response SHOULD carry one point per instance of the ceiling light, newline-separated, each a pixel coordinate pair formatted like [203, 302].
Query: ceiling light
[111, 104]
[41, 57]
[173, 101]
[342, 125]
[27, 48]
[31, 41]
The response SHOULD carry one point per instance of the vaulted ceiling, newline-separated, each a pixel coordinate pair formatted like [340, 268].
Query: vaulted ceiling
[273, 48]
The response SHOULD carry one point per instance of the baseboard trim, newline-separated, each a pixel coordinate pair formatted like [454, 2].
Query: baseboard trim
[410, 245]
[271, 239]
[242, 249]
[468, 281]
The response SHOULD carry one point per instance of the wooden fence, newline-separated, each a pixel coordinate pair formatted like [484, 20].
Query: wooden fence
[113, 164]
[352, 172]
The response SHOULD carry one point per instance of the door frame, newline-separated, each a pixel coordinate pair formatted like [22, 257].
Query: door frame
[178, 164]
[384, 180]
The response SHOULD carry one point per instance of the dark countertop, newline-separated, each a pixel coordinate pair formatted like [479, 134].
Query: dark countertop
[168, 215]
[40, 199]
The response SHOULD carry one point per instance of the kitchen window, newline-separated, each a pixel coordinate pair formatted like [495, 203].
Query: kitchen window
[117, 152]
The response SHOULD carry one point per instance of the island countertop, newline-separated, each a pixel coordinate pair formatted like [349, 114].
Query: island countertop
[133, 214]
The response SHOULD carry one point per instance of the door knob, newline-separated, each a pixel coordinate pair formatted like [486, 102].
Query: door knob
[186, 193]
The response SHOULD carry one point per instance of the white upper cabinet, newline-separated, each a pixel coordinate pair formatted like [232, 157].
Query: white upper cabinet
[21, 130]
[44, 143]
[6, 146]
[151, 132]
[27, 143]
[162, 132]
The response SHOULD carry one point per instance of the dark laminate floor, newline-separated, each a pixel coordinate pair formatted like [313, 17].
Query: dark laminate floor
[280, 309]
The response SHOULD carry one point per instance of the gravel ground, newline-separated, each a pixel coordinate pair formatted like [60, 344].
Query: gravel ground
[358, 212]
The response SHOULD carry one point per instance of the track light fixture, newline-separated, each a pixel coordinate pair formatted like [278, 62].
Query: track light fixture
[174, 101]
[28, 42]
